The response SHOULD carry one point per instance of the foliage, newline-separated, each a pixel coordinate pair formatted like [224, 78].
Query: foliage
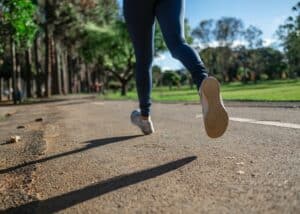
[16, 20]
[226, 31]
[253, 37]
[109, 44]
[111, 47]
[273, 62]
[170, 78]
[204, 32]
[289, 33]
[244, 64]
[156, 75]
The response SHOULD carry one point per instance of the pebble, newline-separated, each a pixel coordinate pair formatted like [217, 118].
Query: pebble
[240, 163]
[39, 120]
[14, 139]
[230, 157]
[8, 114]
[240, 172]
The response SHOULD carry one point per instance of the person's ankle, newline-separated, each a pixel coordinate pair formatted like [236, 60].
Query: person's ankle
[145, 117]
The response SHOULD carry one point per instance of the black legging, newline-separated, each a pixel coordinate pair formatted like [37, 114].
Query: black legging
[140, 18]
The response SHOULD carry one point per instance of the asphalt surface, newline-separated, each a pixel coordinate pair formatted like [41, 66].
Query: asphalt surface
[86, 157]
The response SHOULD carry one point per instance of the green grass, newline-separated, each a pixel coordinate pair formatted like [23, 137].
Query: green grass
[276, 90]
[2, 118]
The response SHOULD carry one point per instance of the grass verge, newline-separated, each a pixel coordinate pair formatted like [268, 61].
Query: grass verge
[276, 90]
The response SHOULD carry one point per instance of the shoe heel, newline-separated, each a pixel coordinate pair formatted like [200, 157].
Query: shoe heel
[216, 119]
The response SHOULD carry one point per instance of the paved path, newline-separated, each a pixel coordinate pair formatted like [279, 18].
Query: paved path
[97, 162]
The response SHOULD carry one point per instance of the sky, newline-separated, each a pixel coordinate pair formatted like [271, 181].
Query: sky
[264, 14]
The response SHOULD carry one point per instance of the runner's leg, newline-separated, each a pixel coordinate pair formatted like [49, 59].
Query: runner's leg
[140, 18]
[170, 15]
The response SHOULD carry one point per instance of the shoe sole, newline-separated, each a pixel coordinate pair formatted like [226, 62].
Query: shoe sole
[216, 120]
[145, 133]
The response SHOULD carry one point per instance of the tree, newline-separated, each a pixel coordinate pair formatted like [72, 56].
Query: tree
[273, 60]
[253, 36]
[56, 51]
[204, 32]
[170, 78]
[17, 23]
[156, 75]
[64, 66]
[111, 46]
[209, 56]
[289, 33]
[227, 30]
[57, 17]
[188, 32]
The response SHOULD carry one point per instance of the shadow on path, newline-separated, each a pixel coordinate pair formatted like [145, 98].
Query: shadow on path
[89, 145]
[70, 199]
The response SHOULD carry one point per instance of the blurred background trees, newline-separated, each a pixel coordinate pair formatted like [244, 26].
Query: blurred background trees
[17, 32]
[289, 34]
[55, 47]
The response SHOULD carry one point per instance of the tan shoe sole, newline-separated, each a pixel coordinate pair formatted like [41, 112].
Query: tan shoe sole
[216, 119]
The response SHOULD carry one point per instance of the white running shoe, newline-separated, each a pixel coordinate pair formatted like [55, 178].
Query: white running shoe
[215, 115]
[146, 126]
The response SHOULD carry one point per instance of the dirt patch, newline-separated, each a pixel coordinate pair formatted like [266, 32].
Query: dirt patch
[17, 162]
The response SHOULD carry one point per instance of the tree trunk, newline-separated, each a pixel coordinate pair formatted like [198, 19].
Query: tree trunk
[70, 72]
[58, 68]
[105, 82]
[102, 79]
[65, 83]
[38, 67]
[29, 72]
[14, 69]
[123, 88]
[48, 62]
[19, 78]
[9, 88]
[54, 65]
[1, 88]
[88, 77]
